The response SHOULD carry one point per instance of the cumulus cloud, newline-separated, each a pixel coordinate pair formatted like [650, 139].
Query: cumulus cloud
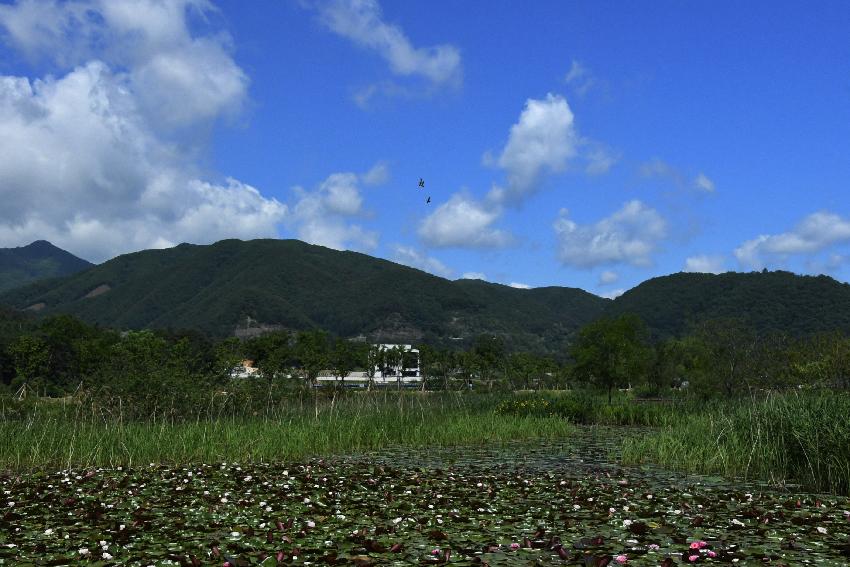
[409, 256]
[178, 80]
[362, 22]
[473, 276]
[630, 235]
[92, 156]
[543, 139]
[463, 222]
[608, 277]
[705, 264]
[815, 233]
[322, 216]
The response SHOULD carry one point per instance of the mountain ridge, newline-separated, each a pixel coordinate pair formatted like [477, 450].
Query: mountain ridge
[245, 287]
[36, 261]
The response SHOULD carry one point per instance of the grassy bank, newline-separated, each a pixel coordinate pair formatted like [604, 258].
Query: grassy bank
[72, 435]
[587, 408]
[801, 439]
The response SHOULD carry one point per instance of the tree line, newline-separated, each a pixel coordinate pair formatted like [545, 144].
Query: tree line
[60, 355]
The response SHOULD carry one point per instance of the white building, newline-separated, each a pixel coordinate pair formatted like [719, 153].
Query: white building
[404, 373]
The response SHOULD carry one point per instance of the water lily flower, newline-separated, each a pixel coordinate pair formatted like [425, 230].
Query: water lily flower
[106, 556]
[712, 553]
[653, 547]
[84, 551]
[693, 558]
[821, 530]
[435, 551]
[514, 546]
[48, 531]
[621, 558]
[311, 524]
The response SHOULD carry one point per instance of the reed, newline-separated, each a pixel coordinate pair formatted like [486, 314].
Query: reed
[781, 439]
[85, 435]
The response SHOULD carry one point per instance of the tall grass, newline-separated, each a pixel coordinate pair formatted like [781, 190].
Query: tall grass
[588, 408]
[83, 435]
[789, 438]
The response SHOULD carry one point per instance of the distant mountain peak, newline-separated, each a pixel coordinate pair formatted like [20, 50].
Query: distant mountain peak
[36, 261]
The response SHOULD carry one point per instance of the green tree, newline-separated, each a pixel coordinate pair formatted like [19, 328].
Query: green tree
[31, 359]
[312, 352]
[374, 361]
[612, 353]
[342, 359]
[489, 353]
[725, 350]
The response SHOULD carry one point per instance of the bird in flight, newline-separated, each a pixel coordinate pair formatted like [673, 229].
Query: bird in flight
[429, 200]
[421, 182]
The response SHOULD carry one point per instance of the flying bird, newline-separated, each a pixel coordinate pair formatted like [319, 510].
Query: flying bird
[429, 200]
[421, 182]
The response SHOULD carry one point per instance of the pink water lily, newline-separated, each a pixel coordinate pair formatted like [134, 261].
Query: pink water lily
[621, 558]
[693, 558]
[514, 546]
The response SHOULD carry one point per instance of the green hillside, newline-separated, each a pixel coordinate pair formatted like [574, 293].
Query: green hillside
[766, 301]
[290, 284]
[36, 261]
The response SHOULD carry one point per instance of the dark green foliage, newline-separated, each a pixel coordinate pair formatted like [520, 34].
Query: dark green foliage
[36, 261]
[292, 285]
[612, 353]
[765, 301]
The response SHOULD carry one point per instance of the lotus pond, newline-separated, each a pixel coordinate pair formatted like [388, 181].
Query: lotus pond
[512, 504]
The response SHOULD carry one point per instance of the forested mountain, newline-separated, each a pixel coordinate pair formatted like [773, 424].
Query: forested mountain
[765, 301]
[234, 285]
[247, 287]
[36, 261]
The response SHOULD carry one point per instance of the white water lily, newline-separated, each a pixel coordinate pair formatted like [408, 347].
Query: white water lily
[106, 556]
[84, 551]
[48, 531]
[821, 529]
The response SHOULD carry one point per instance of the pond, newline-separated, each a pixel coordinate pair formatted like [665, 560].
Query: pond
[514, 504]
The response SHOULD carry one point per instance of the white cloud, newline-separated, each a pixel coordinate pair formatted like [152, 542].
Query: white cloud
[815, 233]
[519, 285]
[613, 294]
[543, 139]
[599, 159]
[630, 235]
[608, 277]
[703, 183]
[463, 222]
[97, 156]
[705, 264]
[658, 168]
[179, 80]
[409, 256]
[580, 78]
[378, 175]
[322, 216]
[362, 22]
[473, 276]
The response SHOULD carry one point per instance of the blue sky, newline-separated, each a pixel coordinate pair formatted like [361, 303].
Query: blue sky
[582, 144]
